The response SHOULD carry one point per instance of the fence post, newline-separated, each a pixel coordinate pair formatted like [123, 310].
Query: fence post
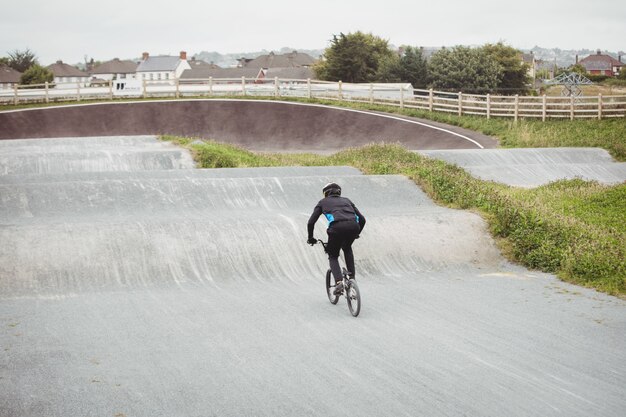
[144, 88]
[571, 108]
[111, 89]
[210, 86]
[243, 85]
[308, 86]
[340, 90]
[401, 97]
[177, 82]
[544, 109]
[371, 93]
[77, 91]
[460, 103]
[516, 107]
[430, 100]
[600, 106]
[488, 106]
[276, 87]
[15, 97]
[47, 97]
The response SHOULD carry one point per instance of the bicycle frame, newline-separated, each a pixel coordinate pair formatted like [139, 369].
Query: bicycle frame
[351, 289]
[344, 271]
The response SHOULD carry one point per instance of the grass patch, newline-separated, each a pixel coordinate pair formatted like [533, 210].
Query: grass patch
[608, 134]
[573, 228]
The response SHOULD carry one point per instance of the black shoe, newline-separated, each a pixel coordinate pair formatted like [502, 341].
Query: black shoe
[338, 288]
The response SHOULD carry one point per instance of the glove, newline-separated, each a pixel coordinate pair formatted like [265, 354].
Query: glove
[311, 241]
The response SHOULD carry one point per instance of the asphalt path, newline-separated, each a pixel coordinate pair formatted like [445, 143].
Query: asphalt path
[532, 167]
[260, 125]
[435, 344]
[168, 291]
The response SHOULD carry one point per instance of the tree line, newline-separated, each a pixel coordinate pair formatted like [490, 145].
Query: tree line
[26, 62]
[363, 57]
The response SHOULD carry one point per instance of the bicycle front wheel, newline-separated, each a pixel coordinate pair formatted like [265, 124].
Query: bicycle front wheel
[353, 295]
[330, 288]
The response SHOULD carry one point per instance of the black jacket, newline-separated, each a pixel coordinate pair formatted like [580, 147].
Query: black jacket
[336, 209]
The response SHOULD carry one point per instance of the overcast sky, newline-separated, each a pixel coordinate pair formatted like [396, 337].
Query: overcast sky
[69, 29]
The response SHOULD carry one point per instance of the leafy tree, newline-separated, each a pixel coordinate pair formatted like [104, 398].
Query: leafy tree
[4, 61]
[465, 69]
[22, 60]
[354, 58]
[410, 67]
[414, 68]
[36, 74]
[514, 71]
[574, 68]
[543, 74]
[89, 64]
[389, 69]
[578, 69]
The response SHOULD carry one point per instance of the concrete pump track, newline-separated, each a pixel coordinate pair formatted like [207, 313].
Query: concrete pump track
[133, 284]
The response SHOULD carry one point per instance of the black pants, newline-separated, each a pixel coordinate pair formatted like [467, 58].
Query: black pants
[341, 235]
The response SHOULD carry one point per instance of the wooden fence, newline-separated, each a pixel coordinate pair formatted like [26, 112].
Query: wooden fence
[401, 95]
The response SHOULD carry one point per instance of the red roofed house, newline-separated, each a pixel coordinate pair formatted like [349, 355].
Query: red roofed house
[600, 64]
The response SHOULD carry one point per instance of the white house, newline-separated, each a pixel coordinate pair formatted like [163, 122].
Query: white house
[162, 68]
[8, 77]
[115, 70]
[64, 73]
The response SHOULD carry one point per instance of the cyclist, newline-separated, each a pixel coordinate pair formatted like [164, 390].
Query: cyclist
[345, 223]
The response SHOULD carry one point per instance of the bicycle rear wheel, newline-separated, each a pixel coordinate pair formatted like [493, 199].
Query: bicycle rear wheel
[330, 288]
[353, 295]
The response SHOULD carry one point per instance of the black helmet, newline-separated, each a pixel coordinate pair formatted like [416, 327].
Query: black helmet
[331, 188]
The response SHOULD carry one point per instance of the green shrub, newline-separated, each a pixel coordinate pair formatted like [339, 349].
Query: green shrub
[617, 82]
[596, 78]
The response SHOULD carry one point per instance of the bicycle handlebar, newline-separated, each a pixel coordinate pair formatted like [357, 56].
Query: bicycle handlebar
[323, 243]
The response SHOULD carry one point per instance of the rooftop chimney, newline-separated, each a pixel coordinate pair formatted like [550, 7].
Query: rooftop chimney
[183, 55]
[145, 56]
[577, 58]
[599, 52]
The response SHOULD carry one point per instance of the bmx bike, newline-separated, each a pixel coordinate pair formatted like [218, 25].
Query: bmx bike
[350, 288]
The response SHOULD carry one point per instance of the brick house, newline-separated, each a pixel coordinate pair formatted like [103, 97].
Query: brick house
[601, 64]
